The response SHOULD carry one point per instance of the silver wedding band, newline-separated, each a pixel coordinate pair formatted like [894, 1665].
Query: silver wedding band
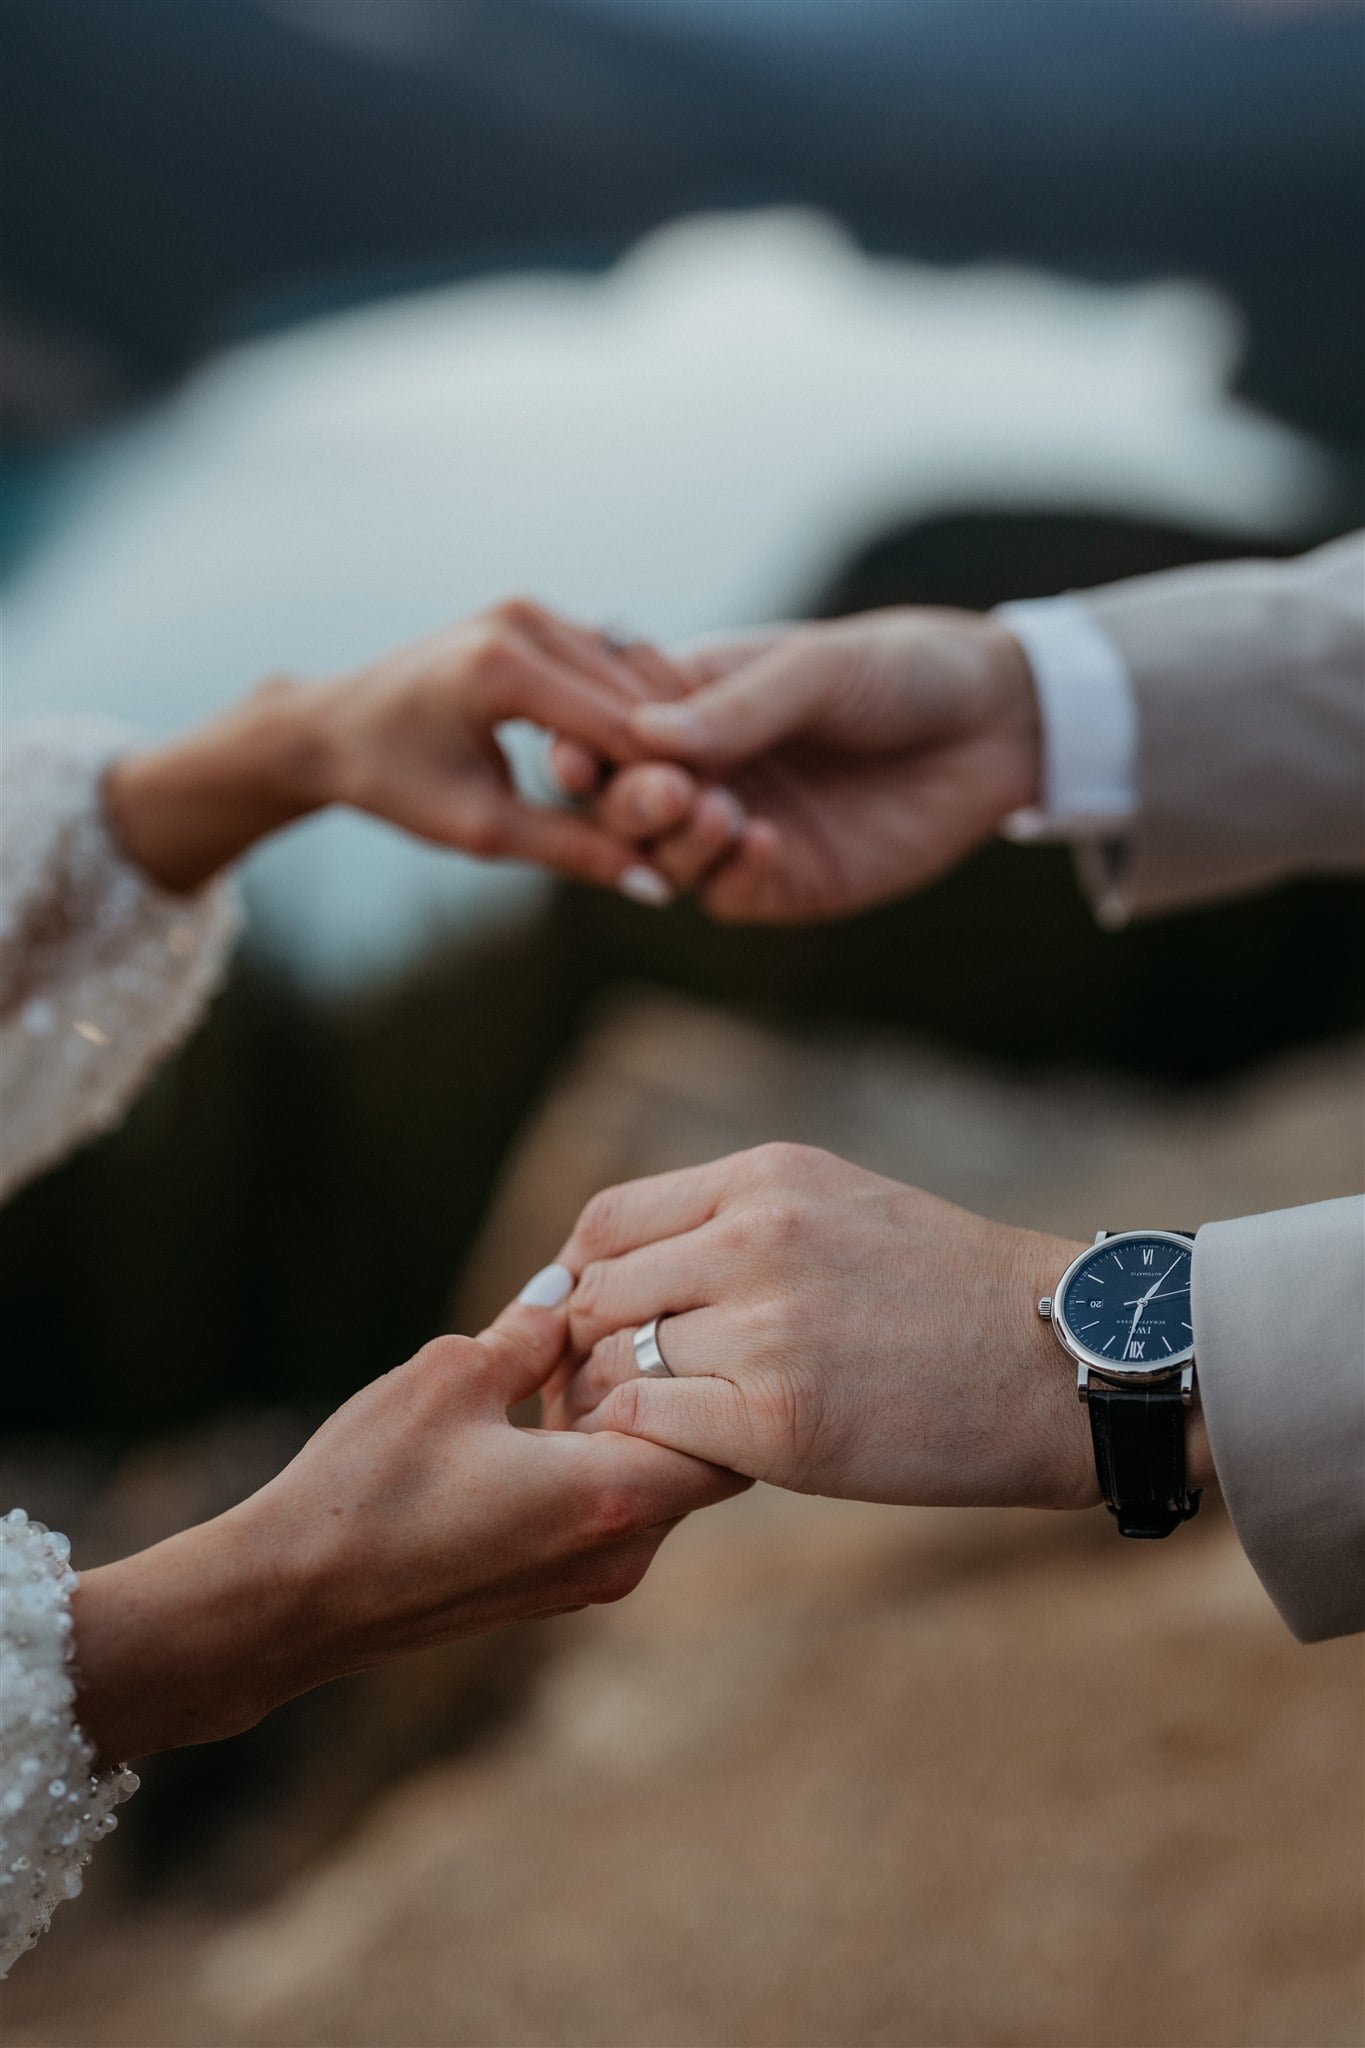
[648, 1357]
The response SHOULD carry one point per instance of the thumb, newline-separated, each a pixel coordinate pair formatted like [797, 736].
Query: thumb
[702, 1416]
[754, 707]
[527, 1340]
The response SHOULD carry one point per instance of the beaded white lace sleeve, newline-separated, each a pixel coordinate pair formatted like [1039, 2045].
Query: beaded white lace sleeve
[53, 1808]
[101, 973]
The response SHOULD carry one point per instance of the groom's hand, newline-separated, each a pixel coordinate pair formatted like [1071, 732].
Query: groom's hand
[827, 1330]
[821, 769]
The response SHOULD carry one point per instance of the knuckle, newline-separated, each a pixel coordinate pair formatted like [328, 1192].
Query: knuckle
[773, 1156]
[772, 1225]
[621, 1407]
[480, 828]
[612, 1362]
[737, 1229]
[781, 1160]
[516, 612]
[446, 1354]
[681, 874]
[455, 1365]
[774, 1323]
[633, 803]
[786, 1222]
[496, 656]
[613, 1515]
[712, 825]
[588, 1295]
[597, 1223]
[788, 1420]
[486, 643]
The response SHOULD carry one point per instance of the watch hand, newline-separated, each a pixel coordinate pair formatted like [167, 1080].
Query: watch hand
[1169, 1296]
[1164, 1277]
[1141, 1305]
[1150, 1295]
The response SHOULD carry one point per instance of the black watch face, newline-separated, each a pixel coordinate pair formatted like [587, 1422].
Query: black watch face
[1128, 1303]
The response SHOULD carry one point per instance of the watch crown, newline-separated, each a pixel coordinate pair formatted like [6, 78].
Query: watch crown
[1045, 1307]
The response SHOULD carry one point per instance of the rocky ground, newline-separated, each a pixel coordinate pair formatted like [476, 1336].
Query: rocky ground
[837, 1775]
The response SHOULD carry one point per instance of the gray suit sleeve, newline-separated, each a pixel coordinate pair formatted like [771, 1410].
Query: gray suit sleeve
[1249, 679]
[1279, 1331]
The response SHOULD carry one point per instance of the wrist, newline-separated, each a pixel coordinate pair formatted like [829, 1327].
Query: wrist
[1065, 1475]
[193, 1640]
[1014, 714]
[183, 811]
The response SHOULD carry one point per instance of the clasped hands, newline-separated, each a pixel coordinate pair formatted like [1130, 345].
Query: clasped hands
[807, 772]
[826, 1329]
[803, 773]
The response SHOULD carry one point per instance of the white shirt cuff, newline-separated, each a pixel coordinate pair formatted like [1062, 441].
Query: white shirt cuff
[1089, 724]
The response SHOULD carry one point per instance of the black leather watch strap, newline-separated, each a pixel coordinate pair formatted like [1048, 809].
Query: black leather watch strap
[1139, 1437]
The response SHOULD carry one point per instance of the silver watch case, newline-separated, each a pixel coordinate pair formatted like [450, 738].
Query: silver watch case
[1114, 1371]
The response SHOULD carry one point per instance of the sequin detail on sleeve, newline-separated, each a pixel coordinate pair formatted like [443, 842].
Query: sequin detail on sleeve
[102, 974]
[53, 1808]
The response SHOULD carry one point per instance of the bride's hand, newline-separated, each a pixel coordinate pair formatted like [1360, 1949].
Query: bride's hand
[410, 738]
[415, 1515]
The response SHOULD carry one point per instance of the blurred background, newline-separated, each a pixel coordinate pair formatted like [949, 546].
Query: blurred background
[325, 321]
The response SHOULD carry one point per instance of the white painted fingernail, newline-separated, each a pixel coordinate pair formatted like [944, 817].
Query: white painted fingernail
[549, 1288]
[736, 816]
[643, 885]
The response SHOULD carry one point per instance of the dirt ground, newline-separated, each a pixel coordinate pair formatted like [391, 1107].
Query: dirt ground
[837, 1776]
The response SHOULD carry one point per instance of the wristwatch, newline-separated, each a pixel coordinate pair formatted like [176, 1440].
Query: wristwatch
[1122, 1312]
